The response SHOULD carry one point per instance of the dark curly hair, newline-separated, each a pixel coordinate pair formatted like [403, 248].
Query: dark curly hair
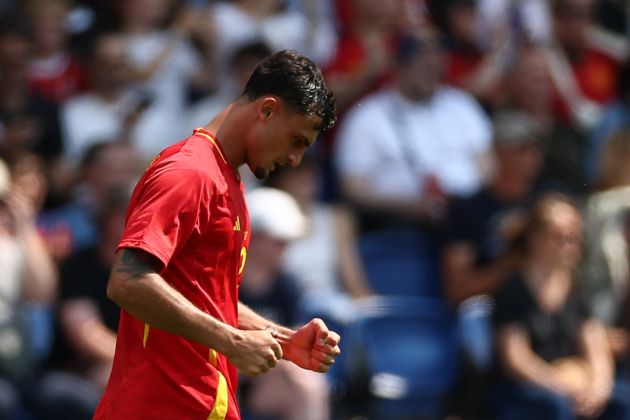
[297, 81]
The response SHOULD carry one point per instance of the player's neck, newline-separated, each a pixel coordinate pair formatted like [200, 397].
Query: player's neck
[223, 127]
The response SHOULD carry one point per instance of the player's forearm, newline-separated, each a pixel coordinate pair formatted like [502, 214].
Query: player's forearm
[147, 296]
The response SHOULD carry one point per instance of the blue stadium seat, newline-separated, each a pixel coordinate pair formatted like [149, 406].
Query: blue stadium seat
[401, 263]
[403, 352]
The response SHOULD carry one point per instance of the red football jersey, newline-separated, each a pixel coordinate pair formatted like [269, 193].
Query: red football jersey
[57, 79]
[188, 210]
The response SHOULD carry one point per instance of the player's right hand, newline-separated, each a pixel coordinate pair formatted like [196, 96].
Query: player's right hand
[255, 352]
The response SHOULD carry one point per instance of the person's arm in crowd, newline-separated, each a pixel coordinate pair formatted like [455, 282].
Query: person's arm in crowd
[85, 330]
[40, 275]
[463, 279]
[487, 77]
[519, 361]
[197, 26]
[599, 357]
[143, 74]
[136, 286]
[361, 194]
[351, 271]
[348, 87]
[619, 341]
[313, 346]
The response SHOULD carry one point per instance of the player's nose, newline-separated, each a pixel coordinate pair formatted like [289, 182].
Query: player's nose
[295, 158]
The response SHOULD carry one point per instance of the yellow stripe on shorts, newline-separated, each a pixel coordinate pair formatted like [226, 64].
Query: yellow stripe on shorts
[220, 408]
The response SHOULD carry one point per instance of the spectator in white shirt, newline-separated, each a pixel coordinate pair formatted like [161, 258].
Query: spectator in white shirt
[110, 110]
[403, 151]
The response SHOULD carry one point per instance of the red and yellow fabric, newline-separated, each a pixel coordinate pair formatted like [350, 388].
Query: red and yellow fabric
[183, 212]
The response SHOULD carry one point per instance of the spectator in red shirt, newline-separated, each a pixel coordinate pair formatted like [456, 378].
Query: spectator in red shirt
[469, 66]
[54, 72]
[365, 52]
[584, 75]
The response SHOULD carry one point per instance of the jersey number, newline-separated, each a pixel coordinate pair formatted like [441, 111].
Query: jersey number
[243, 259]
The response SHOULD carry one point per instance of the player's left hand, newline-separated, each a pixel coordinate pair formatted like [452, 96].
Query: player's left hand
[313, 347]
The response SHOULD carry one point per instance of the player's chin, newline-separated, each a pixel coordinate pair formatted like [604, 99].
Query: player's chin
[261, 173]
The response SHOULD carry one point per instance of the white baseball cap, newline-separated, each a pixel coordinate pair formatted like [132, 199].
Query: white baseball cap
[276, 213]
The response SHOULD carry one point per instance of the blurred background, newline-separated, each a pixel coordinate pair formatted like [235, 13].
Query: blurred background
[464, 227]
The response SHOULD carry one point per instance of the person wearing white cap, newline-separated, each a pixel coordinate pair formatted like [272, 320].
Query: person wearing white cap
[276, 220]
[275, 213]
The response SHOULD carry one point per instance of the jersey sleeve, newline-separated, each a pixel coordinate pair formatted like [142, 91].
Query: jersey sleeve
[168, 209]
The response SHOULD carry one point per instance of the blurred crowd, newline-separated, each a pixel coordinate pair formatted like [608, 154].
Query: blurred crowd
[465, 227]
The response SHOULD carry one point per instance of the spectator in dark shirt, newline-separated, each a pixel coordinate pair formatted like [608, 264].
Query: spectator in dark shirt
[553, 359]
[475, 258]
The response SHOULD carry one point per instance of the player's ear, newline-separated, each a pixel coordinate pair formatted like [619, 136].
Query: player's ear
[268, 107]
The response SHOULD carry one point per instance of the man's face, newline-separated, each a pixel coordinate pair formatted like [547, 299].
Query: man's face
[281, 136]
[111, 67]
[524, 160]
[422, 75]
[530, 83]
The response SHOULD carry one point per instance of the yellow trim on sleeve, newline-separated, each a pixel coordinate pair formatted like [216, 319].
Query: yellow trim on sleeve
[146, 336]
[220, 408]
[213, 357]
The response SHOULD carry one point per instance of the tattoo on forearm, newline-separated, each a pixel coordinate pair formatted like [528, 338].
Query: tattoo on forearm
[132, 264]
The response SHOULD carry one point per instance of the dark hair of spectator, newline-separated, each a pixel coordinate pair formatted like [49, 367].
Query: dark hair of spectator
[116, 202]
[559, 8]
[440, 10]
[411, 45]
[92, 154]
[95, 151]
[12, 26]
[538, 214]
[537, 217]
[257, 50]
[297, 81]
